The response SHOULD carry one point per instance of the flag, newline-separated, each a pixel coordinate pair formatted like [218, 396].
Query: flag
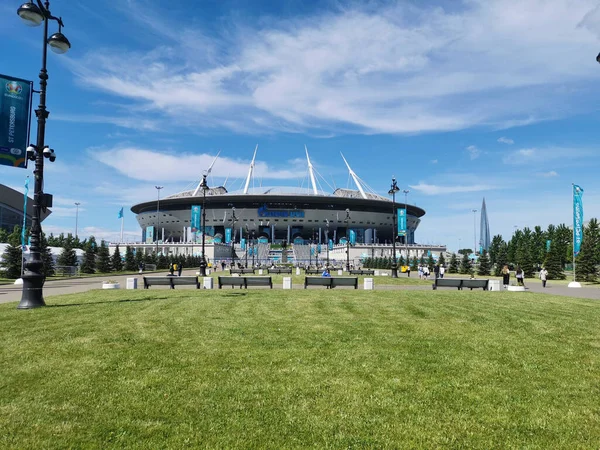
[577, 218]
[24, 213]
[120, 216]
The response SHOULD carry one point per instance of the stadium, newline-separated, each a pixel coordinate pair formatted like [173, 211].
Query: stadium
[275, 215]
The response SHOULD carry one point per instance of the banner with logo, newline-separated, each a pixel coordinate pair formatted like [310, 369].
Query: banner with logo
[330, 244]
[401, 221]
[227, 235]
[149, 234]
[352, 237]
[243, 243]
[15, 115]
[577, 218]
[195, 219]
[548, 244]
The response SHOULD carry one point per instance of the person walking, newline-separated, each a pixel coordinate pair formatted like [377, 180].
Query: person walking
[408, 271]
[171, 269]
[543, 276]
[436, 270]
[505, 276]
[520, 276]
[179, 269]
[442, 271]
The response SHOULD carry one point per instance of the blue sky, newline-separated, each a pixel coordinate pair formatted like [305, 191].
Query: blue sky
[457, 100]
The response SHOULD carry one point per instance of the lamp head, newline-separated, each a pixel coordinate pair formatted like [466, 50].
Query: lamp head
[598, 58]
[59, 43]
[30, 14]
[203, 184]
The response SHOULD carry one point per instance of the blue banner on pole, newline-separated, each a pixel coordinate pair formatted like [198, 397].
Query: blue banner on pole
[330, 244]
[120, 216]
[149, 234]
[243, 243]
[227, 235]
[352, 237]
[195, 219]
[577, 218]
[24, 213]
[548, 244]
[401, 221]
[15, 110]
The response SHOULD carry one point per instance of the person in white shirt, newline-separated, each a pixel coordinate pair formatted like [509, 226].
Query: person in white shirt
[442, 271]
[543, 276]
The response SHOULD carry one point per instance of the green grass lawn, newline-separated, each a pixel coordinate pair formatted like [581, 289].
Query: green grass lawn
[287, 369]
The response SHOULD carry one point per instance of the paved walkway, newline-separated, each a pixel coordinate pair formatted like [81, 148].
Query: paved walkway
[12, 293]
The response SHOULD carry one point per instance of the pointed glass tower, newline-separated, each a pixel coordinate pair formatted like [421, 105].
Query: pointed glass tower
[484, 229]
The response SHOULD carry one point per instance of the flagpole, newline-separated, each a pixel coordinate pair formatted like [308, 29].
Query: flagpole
[573, 193]
[122, 222]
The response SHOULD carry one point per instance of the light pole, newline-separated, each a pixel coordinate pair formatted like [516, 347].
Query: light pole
[158, 188]
[406, 191]
[233, 221]
[253, 247]
[327, 241]
[474, 232]
[204, 187]
[393, 189]
[347, 241]
[247, 245]
[76, 217]
[33, 278]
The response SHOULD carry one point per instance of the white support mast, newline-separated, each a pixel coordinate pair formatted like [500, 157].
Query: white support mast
[355, 178]
[250, 171]
[207, 173]
[312, 173]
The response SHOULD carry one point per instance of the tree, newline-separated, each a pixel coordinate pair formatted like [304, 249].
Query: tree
[495, 245]
[453, 267]
[12, 258]
[139, 257]
[103, 259]
[116, 262]
[553, 265]
[88, 264]
[163, 263]
[68, 257]
[465, 265]
[130, 264]
[465, 251]
[47, 258]
[586, 261]
[442, 260]
[414, 265]
[484, 264]
[501, 259]
[430, 262]
[3, 235]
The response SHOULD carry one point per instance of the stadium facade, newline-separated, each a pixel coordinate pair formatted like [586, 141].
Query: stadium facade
[11, 209]
[277, 214]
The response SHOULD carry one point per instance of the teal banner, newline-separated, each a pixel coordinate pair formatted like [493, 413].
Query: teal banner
[15, 110]
[149, 235]
[352, 237]
[227, 235]
[195, 219]
[401, 222]
[548, 244]
[577, 218]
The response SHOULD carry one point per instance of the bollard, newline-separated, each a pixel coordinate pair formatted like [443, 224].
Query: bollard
[287, 282]
[207, 283]
[368, 284]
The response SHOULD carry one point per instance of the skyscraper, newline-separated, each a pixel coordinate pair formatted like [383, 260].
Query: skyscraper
[484, 229]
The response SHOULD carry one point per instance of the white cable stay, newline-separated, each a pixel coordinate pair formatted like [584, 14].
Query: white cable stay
[207, 173]
[355, 178]
[250, 171]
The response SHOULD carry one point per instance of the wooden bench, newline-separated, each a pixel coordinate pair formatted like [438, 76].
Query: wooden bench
[242, 270]
[280, 270]
[244, 282]
[460, 283]
[331, 282]
[362, 272]
[171, 281]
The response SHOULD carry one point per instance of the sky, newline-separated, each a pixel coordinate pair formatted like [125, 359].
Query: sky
[458, 100]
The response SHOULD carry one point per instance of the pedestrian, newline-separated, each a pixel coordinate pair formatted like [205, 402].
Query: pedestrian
[505, 276]
[420, 270]
[543, 276]
[408, 271]
[436, 270]
[141, 267]
[223, 265]
[519, 275]
[171, 269]
[442, 271]
[179, 269]
[326, 273]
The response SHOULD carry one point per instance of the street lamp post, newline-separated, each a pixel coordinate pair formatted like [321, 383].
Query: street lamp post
[158, 188]
[33, 278]
[327, 241]
[393, 189]
[76, 217]
[247, 245]
[253, 247]
[347, 241]
[204, 187]
[406, 191]
[233, 221]
[474, 231]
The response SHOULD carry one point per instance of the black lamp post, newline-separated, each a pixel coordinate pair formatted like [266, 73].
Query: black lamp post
[393, 191]
[253, 247]
[233, 221]
[347, 241]
[158, 188]
[247, 244]
[33, 278]
[204, 187]
[327, 241]
[406, 191]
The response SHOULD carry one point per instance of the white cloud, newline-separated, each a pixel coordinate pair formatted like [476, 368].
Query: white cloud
[549, 174]
[541, 155]
[434, 161]
[473, 151]
[331, 72]
[432, 189]
[505, 140]
[151, 165]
